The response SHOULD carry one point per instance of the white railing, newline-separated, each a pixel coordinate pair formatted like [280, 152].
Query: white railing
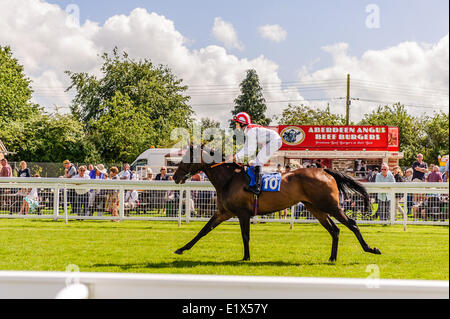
[47, 285]
[413, 203]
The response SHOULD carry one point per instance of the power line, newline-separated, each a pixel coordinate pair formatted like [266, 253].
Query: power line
[400, 86]
[405, 104]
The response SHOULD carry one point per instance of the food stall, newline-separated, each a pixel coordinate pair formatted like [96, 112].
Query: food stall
[350, 149]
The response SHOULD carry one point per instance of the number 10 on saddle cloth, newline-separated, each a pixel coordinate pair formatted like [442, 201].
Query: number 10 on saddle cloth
[270, 182]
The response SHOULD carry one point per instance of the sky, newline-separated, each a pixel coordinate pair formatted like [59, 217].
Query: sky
[302, 50]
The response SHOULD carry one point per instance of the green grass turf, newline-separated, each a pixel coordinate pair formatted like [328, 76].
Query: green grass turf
[422, 252]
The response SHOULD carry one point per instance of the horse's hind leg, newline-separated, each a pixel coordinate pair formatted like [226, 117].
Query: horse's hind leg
[330, 226]
[351, 224]
[215, 220]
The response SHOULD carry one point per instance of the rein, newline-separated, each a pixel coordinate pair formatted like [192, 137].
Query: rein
[221, 163]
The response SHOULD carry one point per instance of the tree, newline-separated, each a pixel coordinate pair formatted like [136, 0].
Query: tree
[47, 138]
[123, 132]
[435, 141]
[411, 133]
[207, 122]
[306, 115]
[251, 100]
[147, 100]
[15, 89]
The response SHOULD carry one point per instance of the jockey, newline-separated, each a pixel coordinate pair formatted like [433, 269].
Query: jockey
[256, 135]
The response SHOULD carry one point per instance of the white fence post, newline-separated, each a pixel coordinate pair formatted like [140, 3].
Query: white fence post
[187, 205]
[392, 206]
[121, 203]
[180, 207]
[405, 210]
[292, 216]
[66, 217]
[56, 204]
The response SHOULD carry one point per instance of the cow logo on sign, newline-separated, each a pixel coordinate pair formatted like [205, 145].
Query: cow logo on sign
[292, 135]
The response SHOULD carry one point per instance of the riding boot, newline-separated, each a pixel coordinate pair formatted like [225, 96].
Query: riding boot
[256, 189]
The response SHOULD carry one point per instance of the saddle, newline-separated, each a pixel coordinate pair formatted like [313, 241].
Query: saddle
[270, 182]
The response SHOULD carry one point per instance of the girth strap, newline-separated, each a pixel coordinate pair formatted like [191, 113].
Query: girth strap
[255, 205]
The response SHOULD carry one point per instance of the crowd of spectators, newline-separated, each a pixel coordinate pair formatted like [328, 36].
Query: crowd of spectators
[425, 206]
[84, 202]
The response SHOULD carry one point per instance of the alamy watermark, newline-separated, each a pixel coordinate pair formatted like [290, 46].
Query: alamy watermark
[73, 275]
[213, 145]
[73, 16]
[373, 280]
[373, 17]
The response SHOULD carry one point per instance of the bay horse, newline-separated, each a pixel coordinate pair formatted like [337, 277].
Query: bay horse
[318, 189]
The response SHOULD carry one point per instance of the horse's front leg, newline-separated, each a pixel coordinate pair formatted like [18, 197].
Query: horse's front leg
[244, 221]
[215, 220]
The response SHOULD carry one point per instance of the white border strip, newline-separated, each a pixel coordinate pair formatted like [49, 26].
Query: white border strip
[30, 285]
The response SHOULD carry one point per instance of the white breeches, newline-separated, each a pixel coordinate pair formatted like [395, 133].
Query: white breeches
[265, 153]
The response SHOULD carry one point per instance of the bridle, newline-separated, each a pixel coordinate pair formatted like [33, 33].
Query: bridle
[187, 174]
[225, 162]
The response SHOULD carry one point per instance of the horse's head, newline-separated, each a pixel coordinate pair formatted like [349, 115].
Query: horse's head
[191, 163]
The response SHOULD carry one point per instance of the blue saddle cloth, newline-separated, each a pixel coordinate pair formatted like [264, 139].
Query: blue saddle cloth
[270, 182]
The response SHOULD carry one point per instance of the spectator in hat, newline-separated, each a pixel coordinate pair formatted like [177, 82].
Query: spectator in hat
[149, 174]
[99, 172]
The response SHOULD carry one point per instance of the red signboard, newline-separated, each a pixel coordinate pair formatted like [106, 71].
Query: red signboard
[373, 138]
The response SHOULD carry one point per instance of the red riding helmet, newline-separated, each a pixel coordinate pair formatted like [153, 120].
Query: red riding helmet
[242, 118]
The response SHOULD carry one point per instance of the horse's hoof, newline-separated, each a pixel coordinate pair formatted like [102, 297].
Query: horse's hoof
[376, 251]
[178, 252]
[246, 259]
[332, 260]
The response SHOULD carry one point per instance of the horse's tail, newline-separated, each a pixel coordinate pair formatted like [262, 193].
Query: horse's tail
[346, 183]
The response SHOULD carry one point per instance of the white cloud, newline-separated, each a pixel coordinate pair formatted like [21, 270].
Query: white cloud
[410, 72]
[225, 33]
[273, 32]
[47, 46]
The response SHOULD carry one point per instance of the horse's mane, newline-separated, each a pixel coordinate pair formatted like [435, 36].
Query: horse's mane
[212, 151]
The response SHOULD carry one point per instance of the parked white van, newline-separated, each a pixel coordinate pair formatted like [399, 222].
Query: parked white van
[154, 158]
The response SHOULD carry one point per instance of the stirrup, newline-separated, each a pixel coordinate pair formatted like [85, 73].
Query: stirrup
[253, 189]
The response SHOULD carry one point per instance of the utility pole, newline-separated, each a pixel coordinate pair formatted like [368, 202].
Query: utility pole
[347, 104]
